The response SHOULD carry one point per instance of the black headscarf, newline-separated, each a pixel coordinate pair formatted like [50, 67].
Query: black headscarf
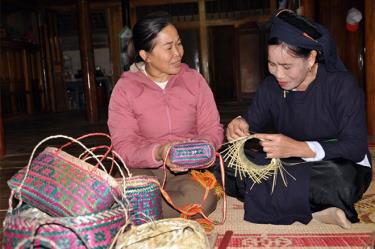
[289, 34]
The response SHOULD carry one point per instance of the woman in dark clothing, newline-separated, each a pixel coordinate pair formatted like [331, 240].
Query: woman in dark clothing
[317, 114]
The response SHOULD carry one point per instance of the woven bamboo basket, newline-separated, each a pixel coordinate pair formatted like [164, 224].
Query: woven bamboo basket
[176, 233]
[143, 198]
[29, 225]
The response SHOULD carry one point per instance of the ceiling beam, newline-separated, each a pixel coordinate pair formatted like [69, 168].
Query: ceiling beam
[161, 2]
[222, 22]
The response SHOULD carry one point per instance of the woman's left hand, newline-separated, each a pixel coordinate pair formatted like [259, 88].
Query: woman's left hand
[281, 146]
[162, 154]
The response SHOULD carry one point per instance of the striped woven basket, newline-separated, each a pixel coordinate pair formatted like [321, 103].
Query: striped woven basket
[26, 227]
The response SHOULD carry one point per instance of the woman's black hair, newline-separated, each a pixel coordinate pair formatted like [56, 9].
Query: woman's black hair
[144, 34]
[304, 25]
[296, 51]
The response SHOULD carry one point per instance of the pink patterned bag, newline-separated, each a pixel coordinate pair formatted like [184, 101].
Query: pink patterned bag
[69, 202]
[60, 184]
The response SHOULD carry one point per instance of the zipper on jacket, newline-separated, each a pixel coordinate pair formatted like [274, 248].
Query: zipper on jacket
[168, 113]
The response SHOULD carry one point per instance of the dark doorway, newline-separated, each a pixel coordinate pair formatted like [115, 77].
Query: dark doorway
[222, 63]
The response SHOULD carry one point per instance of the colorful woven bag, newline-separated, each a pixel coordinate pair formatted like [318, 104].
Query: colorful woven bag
[174, 233]
[143, 194]
[27, 227]
[63, 185]
[192, 155]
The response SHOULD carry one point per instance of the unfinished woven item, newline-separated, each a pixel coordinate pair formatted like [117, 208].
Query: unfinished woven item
[235, 157]
[176, 233]
[94, 230]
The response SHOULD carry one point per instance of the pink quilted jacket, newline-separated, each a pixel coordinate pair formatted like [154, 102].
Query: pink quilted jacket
[142, 115]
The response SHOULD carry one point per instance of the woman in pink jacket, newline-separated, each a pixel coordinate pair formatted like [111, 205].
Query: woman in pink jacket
[159, 102]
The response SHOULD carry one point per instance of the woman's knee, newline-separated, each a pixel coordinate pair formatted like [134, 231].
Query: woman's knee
[192, 192]
[210, 203]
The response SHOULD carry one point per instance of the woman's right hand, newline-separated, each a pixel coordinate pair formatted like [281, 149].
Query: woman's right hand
[237, 128]
[161, 154]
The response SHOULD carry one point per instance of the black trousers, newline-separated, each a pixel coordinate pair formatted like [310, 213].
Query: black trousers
[318, 185]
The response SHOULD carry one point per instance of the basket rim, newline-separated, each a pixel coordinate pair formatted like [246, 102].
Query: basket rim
[14, 218]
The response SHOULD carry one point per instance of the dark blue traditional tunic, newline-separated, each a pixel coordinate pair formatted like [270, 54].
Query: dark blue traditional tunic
[332, 112]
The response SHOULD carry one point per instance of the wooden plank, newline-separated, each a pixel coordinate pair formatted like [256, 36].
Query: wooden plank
[11, 56]
[308, 9]
[159, 2]
[43, 68]
[87, 60]
[93, 5]
[203, 38]
[48, 63]
[27, 80]
[2, 133]
[369, 65]
[114, 17]
[41, 82]
[222, 22]
[273, 6]
[133, 14]
[56, 62]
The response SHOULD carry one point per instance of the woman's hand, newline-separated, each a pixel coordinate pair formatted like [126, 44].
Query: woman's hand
[281, 146]
[237, 128]
[161, 153]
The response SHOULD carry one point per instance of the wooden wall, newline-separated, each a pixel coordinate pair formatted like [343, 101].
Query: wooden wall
[350, 45]
[20, 78]
[369, 64]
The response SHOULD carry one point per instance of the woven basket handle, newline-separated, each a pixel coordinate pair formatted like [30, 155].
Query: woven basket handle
[168, 198]
[86, 149]
[86, 136]
[109, 148]
[112, 157]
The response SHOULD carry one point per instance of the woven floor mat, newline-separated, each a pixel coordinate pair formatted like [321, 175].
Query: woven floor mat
[313, 235]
